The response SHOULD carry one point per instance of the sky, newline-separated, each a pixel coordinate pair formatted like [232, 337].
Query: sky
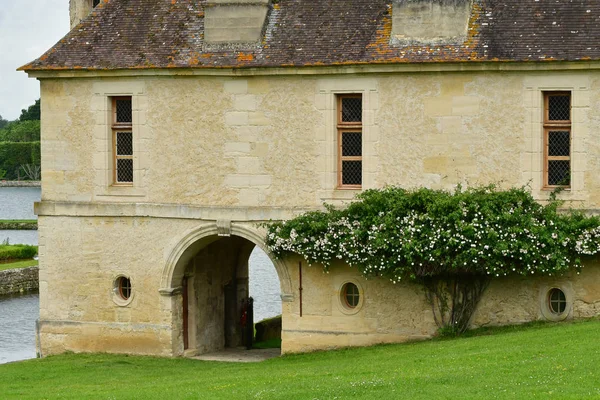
[27, 29]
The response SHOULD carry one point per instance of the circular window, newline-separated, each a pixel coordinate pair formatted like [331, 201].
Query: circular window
[557, 301]
[122, 290]
[350, 295]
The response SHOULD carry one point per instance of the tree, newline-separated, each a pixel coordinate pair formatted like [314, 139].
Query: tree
[3, 122]
[33, 113]
[21, 131]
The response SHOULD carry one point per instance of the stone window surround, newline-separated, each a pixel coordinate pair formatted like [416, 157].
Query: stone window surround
[341, 302]
[544, 299]
[103, 93]
[328, 90]
[117, 298]
[532, 160]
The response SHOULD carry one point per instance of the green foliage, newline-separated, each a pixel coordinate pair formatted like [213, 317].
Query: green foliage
[33, 113]
[3, 122]
[17, 224]
[399, 234]
[21, 131]
[15, 154]
[17, 252]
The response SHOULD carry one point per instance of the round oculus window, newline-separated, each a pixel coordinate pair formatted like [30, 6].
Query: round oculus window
[350, 295]
[557, 301]
[124, 287]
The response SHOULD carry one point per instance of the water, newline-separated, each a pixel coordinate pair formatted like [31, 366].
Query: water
[19, 237]
[17, 322]
[264, 286]
[17, 202]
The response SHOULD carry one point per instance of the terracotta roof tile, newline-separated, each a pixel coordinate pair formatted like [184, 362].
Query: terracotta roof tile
[128, 34]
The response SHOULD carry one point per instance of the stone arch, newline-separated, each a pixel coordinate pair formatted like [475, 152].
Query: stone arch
[195, 239]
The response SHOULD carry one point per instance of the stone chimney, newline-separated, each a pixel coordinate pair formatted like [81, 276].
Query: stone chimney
[235, 22]
[430, 21]
[79, 9]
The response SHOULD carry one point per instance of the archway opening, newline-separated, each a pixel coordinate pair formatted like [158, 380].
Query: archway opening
[265, 290]
[216, 284]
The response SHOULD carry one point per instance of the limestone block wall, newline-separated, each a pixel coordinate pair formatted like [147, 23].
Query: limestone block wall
[390, 313]
[387, 313]
[270, 141]
[18, 280]
[80, 259]
[516, 300]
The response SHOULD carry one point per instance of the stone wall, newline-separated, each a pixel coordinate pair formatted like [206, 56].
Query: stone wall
[18, 280]
[81, 311]
[215, 154]
[259, 139]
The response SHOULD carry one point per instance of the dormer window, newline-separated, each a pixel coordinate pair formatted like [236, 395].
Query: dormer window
[95, 3]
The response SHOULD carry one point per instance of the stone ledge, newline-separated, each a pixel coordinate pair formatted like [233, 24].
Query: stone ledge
[175, 211]
[20, 280]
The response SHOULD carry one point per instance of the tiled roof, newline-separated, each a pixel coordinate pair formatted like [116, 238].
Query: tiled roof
[137, 34]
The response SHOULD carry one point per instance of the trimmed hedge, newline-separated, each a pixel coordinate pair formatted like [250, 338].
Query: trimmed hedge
[18, 225]
[15, 154]
[17, 252]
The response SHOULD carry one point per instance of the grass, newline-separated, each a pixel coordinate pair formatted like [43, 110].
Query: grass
[18, 221]
[19, 264]
[538, 361]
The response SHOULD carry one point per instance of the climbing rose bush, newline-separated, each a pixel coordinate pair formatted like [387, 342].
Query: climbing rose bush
[415, 234]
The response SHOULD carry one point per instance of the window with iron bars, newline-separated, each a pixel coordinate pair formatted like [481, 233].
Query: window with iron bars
[122, 132]
[349, 128]
[557, 139]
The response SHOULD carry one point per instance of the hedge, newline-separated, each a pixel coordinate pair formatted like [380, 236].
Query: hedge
[17, 252]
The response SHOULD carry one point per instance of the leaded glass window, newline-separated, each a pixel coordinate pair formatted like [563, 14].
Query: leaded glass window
[349, 125]
[122, 128]
[557, 139]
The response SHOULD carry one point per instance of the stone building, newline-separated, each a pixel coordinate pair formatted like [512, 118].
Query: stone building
[172, 128]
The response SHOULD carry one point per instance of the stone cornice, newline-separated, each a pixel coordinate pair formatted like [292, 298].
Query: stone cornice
[497, 66]
[176, 211]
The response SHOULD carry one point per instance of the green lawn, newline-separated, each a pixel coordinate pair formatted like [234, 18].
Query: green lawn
[541, 361]
[19, 264]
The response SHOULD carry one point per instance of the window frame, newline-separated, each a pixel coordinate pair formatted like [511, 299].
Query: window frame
[560, 302]
[557, 125]
[350, 127]
[346, 295]
[121, 127]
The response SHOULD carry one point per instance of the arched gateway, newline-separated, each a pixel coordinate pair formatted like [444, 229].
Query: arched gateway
[205, 281]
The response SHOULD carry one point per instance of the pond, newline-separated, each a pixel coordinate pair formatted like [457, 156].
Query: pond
[18, 314]
[17, 203]
[17, 322]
